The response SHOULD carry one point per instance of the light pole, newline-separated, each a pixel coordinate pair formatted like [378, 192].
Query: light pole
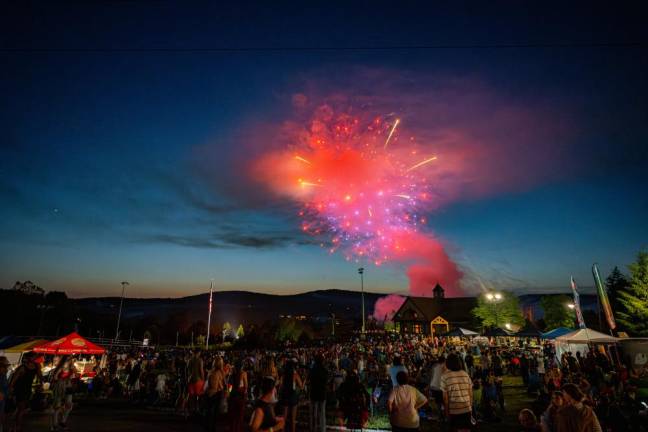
[211, 292]
[43, 308]
[361, 272]
[495, 298]
[121, 304]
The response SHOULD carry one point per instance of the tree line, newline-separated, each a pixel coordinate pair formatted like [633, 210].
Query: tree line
[628, 297]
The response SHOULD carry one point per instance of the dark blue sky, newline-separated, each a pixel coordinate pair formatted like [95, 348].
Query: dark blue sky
[109, 109]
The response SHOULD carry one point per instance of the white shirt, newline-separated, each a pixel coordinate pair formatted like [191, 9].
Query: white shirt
[404, 399]
[437, 371]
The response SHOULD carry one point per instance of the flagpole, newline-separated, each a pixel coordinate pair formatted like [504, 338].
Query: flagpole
[211, 292]
[577, 305]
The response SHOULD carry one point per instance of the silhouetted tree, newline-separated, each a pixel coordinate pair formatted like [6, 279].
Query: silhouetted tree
[556, 312]
[616, 283]
[498, 313]
[633, 302]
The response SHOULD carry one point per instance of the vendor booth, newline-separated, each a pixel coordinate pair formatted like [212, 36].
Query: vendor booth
[73, 344]
[460, 335]
[460, 332]
[634, 352]
[15, 353]
[579, 341]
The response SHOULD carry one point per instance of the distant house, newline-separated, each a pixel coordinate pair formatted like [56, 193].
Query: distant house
[434, 315]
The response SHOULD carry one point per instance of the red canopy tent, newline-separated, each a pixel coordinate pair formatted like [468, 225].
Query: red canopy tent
[70, 344]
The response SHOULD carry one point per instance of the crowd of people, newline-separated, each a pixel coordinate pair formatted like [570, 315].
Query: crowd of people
[404, 380]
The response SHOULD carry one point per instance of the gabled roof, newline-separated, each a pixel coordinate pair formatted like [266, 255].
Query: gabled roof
[496, 331]
[453, 309]
[529, 330]
[586, 335]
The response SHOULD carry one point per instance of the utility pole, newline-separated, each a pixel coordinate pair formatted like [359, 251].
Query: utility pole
[361, 271]
[121, 305]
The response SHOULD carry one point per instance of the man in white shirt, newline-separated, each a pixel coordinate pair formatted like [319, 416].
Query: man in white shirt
[435, 383]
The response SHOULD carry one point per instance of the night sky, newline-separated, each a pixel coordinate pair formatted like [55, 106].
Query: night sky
[126, 127]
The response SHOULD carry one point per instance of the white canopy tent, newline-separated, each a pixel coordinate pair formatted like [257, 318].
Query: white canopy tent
[586, 336]
[579, 340]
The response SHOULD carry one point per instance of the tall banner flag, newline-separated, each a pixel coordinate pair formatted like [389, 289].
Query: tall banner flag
[577, 306]
[603, 298]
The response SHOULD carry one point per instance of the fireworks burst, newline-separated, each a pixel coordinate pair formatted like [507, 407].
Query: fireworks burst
[365, 195]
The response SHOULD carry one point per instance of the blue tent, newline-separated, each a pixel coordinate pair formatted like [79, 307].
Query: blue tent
[553, 334]
[9, 341]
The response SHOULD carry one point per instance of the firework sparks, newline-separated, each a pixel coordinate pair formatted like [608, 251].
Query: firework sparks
[307, 183]
[391, 132]
[360, 195]
[420, 164]
[301, 159]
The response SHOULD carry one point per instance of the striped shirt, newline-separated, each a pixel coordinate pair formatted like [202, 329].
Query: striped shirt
[458, 386]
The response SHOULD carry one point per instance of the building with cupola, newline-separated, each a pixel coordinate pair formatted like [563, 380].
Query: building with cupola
[433, 316]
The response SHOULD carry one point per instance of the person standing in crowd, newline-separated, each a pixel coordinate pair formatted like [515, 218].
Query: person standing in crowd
[403, 405]
[290, 382]
[20, 387]
[435, 383]
[470, 363]
[195, 379]
[4, 389]
[267, 369]
[354, 402]
[133, 381]
[180, 368]
[457, 386]
[61, 386]
[263, 417]
[576, 416]
[397, 366]
[216, 394]
[237, 398]
[548, 418]
[524, 369]
[528, 421]
[317, 384]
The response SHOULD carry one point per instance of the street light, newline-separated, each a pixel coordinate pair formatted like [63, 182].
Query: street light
[43, 308]
[571, 305]
[361, 272]
[121, 304]
[495, 298]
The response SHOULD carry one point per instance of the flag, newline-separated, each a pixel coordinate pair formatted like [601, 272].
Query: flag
[603, 298]
[577, 307]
